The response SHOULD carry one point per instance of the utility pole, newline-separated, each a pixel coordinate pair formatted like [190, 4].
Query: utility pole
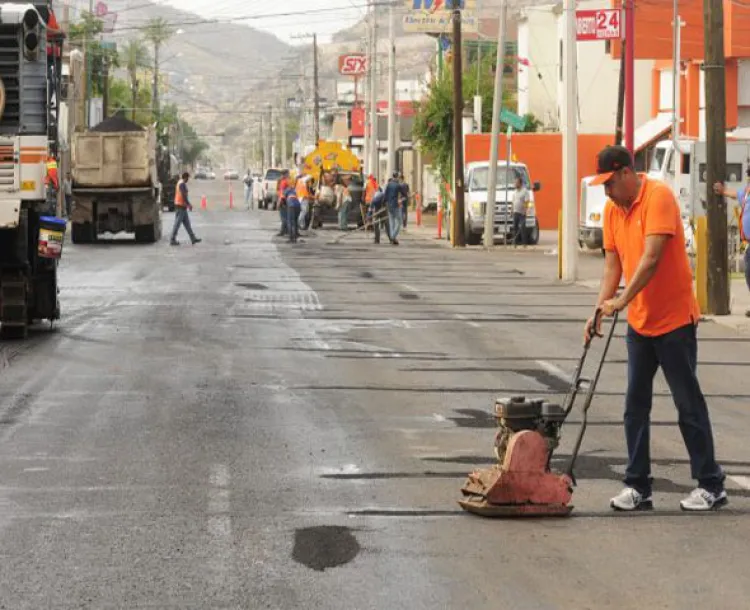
[621, 97]
[716, 153]
[367, 98]
[155, 93]
[316, 107]
[282, 121]
[391, 164]
[570, 146]
[458, 236]
[89, 73]
[105, 91]
[267, 141]
[263, 166]
[629, 74]
[374, 136]
[676, 77]
[497, 106]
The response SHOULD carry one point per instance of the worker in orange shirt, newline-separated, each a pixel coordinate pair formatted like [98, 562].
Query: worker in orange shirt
[645, 242]
[281, 187]
[371, 187]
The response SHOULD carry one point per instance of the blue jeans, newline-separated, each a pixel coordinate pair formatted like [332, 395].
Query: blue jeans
[747, 267]
[283, 218]
[395, 217]
[293, 222]
[677, 354]
[181, 218]
[344, 216]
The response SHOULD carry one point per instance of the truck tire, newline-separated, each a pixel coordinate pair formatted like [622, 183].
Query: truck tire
[473, 239]
[146, 234]
[532, 235]
[82, 233]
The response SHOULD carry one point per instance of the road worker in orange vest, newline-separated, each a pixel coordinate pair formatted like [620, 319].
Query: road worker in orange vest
[371, 187]
[181, 207]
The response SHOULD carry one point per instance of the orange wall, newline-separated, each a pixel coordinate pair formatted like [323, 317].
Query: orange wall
[542, 153]
[653, 30]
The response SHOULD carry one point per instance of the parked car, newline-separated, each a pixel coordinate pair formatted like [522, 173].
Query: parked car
[211, 175]
[231, 174]
[200, 174]
[270, 183]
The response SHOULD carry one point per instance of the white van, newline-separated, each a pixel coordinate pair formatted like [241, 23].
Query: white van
[591, 215]
[476, 201]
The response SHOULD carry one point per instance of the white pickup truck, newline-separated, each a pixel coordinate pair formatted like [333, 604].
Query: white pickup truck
[476, 201]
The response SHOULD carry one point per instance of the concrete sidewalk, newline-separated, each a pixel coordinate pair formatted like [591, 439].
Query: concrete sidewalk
[589, 267]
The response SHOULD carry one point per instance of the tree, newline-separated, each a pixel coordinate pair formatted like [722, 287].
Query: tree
[157, 32]
[84, 34]
[121, 100]
[134, 56]
[433, 125]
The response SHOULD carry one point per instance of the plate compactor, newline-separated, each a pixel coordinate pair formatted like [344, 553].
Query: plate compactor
[521, 483]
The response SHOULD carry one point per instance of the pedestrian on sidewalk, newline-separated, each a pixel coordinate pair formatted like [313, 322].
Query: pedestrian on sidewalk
[404, 199]
[181, 207]
[521, 199]
[644, 240]
[393, 201]
[742, 196]
[248, 182]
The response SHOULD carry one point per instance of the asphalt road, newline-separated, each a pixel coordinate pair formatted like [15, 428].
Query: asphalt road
[251, 424]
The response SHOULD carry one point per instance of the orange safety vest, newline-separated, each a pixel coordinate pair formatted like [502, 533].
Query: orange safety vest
[179, 199]
[52, 172]
[302, 191]
[370, 189]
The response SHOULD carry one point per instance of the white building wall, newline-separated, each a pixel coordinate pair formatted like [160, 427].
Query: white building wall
[540, 85]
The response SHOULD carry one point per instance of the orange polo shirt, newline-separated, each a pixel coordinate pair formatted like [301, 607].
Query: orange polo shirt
[668, 301]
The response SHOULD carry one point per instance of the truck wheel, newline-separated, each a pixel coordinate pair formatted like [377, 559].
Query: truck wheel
[82, 233]
[12, 333]
[146, 234]
[472, 239]
[532, 235]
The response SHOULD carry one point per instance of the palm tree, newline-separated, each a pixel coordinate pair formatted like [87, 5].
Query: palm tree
[134, 55]
[157, 32]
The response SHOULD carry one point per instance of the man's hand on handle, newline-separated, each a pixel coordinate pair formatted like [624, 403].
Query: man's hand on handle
[593, 326]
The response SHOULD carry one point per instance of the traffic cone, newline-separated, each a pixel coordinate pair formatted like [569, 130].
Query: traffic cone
[204, 203]
[231, 199]
[418, 200]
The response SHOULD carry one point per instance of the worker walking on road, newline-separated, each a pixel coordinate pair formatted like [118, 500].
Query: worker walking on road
[393, 192]
[742, 196]
[281, 198]
[293, 213]
[521, 200]
[404, 198]
[181, 207]
[644, 240]
[248, 182]
[371, 187]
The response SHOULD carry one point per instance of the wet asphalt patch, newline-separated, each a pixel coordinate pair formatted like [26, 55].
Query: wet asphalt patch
[251, 286]
[322, 547]
[408, 296]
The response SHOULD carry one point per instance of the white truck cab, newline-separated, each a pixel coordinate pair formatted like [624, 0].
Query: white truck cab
[476, 201]
[591, 215]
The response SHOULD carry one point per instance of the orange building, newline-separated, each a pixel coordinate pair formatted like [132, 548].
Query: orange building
[654, 40]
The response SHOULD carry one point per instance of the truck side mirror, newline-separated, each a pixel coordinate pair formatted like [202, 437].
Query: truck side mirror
[537, 187]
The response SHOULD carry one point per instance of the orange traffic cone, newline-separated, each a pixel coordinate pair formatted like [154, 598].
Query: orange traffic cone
[231, 198]
[204, 203]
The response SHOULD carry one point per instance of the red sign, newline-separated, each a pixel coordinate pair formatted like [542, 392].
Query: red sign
[598, 25]
[353, 64]
[101, 9]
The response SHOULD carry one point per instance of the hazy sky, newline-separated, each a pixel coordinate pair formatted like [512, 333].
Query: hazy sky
[285, 27]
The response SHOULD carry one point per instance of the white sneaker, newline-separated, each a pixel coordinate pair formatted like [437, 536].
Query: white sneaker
[703, 500]
[630, 499]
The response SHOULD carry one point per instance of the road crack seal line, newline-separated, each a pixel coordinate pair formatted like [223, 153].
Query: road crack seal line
[326, 546]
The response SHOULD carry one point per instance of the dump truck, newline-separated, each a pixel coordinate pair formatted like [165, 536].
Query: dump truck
[330, 164]
[115, 183]
[30, 62]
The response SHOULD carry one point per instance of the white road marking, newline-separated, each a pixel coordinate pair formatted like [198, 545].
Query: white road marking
[743, 482]
[440, 418]
[410, 288]
[554, 370]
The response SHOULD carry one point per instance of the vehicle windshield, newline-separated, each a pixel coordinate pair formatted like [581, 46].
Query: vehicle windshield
[505, 178]
[273, 174]
[657, 161]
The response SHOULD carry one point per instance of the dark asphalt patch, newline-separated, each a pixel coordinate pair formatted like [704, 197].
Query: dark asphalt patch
[546, 379]
[382, 476]
[366, 275]
[19, 404]
[408, 296]
[474, 418]
[251, 286]
[325, 546]
[404, 513]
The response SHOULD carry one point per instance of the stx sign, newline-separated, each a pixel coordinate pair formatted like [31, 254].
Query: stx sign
[598, 25]
[353, 64]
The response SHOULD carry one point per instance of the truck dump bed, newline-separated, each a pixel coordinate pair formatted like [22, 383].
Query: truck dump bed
[124, 159]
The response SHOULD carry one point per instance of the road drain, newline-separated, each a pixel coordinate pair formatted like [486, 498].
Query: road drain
[325, 546]
[251, 286]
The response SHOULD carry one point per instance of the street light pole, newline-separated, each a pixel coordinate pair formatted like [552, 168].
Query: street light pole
[497, 106]
[391, 165]
[569, 243]
[316, 108]
[458, 236]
